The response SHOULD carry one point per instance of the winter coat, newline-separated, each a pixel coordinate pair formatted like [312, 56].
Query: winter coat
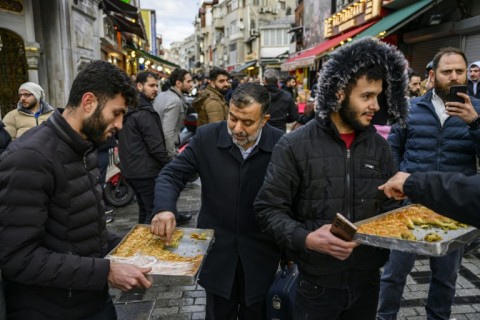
[451, 194]
[18, 121]
[229, 187]
[311, 177]
[282, 108]
[141, 142]
[53, 236]
[425, 145]
[210, 106]
[171, 107]
[470, 82]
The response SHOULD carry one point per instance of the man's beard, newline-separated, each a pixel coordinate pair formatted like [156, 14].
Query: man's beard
[94, 127]
[244, 134]
[222, 91]
[443, 91]
[414, 93]
[31, 105]
[349, 116]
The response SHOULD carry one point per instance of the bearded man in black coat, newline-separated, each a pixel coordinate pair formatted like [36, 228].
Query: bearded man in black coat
[231, 158]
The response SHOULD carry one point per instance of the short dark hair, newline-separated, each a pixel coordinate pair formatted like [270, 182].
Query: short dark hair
[248, 93]
[447, 51]
[412, 73]
[178, 75]
[290, 78]
[105, 81]
[271, 76]
[143, 76]
[215, 72]
[372, 72]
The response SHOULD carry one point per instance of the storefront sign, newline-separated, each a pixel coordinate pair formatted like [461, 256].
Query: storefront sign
[352, 16]
[251, 56]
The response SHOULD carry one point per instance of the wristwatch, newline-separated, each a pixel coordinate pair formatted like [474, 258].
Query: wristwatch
[475, 123]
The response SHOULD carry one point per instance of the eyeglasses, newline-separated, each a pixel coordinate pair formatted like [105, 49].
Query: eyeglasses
[26, 95]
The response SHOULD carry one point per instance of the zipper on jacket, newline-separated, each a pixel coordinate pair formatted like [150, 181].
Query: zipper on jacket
[85, 157]
[348, 189]
[69, 292]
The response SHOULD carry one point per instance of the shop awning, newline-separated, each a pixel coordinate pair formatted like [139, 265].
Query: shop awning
[307, 57]
[121, 8]
[243, 66]
[125, 17]
[163, 62]
[396, 20]
[125, 25]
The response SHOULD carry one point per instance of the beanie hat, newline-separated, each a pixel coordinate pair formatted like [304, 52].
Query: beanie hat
[346, 61]
[34, 89]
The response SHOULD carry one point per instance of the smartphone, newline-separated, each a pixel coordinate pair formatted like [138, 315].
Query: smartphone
[343, 228]
[452, 96]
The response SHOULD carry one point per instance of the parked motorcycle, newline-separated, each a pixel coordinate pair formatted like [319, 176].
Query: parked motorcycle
[117, 191]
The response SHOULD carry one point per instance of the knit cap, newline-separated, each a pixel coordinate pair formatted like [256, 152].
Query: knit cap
[34, 89]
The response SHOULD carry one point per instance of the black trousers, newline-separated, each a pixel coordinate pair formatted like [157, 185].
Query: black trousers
[144, 191]
[219, 308]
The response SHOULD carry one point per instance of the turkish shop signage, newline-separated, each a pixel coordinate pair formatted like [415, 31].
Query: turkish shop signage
[352, 16]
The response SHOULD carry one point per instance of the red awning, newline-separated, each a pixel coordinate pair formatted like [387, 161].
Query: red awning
[307, 57]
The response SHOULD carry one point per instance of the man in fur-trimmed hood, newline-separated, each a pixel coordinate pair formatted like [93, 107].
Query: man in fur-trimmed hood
[331, 165]
[345, 62]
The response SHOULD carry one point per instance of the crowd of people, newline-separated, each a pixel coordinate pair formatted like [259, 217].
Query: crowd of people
[269, 193]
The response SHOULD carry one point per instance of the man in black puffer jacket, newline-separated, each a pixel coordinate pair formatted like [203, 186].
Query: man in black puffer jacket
[52, 226]
[282, 109]
[334, 164]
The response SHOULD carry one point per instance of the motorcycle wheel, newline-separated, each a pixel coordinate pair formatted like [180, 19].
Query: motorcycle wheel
[118, 197]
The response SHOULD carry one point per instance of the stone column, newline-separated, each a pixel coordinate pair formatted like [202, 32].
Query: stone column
[32, 54]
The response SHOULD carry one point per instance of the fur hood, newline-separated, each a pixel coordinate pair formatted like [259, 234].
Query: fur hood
[347, 60]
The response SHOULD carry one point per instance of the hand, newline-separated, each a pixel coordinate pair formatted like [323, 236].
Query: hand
[322, 240]
[163, 224]
[393, 188]
[128, 276]
[464, 111]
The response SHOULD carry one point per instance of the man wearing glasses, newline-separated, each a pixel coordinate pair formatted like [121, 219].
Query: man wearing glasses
[31, 110]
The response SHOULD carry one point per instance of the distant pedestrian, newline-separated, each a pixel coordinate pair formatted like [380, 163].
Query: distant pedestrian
[172, 107]
[473, 79]
[282, 109]
[211, 105]
[231, 158]
[142, 148]
[414, 82]
[31, 110]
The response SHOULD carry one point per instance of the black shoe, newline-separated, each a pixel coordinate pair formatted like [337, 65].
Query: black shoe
[108, 209]
[184, 217]
[109, 218]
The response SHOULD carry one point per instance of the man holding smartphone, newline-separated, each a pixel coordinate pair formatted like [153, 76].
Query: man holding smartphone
[441, 135]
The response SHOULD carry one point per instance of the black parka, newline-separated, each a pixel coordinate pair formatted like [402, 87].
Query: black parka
[52, 226]
[310, 178]
[229, 187]
[141, 142]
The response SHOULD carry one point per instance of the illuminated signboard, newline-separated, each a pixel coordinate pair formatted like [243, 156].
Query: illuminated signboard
[352, 16]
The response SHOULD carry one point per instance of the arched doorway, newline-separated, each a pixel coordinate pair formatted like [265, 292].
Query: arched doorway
[13, 69]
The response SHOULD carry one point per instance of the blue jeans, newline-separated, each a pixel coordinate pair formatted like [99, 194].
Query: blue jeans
[358, 299]
[442, 284]
[108, 312]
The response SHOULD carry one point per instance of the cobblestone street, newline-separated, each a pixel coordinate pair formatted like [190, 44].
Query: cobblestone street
[188, 302]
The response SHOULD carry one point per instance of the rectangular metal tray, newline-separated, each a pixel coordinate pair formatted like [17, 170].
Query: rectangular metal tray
[451, 240]
[164, 273]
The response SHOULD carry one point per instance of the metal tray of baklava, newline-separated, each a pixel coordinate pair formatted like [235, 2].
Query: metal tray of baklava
[451, 239]
[172, 273]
